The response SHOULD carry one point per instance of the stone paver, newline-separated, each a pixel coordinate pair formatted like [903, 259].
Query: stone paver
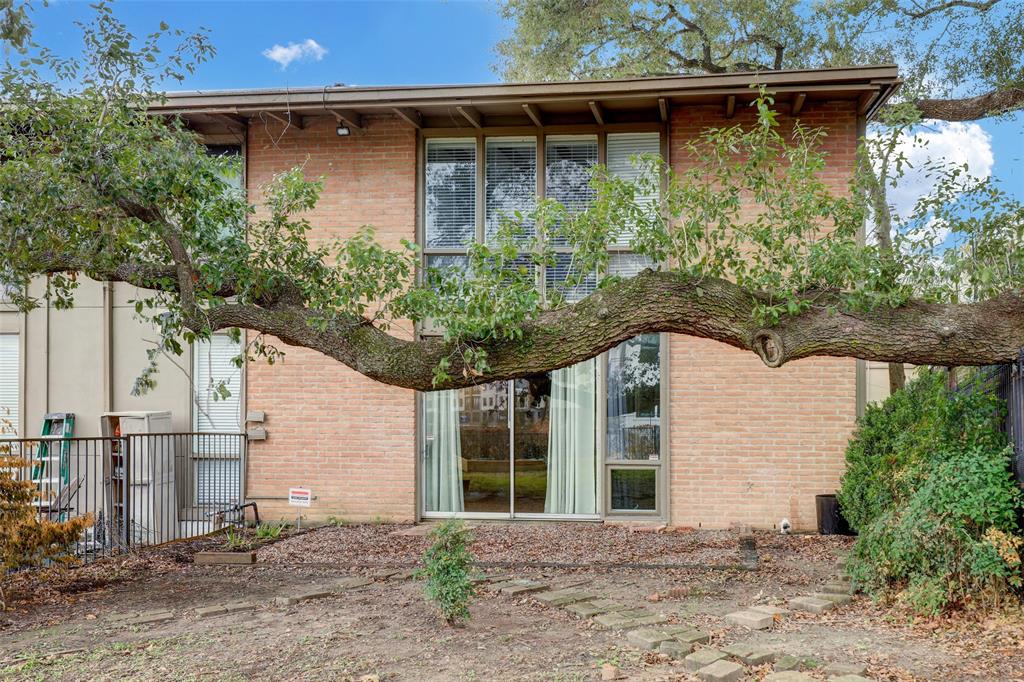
[351, 582]
[838, 587]
[838, 669]
[835, 598]
[675, 648]
[786, 662]
[524, 586]
[721, 671]
[811, 605]
[849, 678]
[770, 610]
[752, 620]
[151, 618]
[647, 638]
[210, 611]
[789, 676]
[750, 654]
[692, 636]
[653, 619]
[702, 658]
[595, 607]
[615, 621]
[562, 597]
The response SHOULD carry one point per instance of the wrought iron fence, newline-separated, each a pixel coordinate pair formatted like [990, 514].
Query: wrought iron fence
[139, 490]
[1011, 389]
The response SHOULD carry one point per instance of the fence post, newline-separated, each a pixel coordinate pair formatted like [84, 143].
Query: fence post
[126, 509]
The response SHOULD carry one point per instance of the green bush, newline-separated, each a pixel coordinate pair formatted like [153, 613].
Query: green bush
[929, 490]
[447, 571]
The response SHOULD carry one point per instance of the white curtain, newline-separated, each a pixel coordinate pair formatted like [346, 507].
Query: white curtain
[572, 448]
[442, 469]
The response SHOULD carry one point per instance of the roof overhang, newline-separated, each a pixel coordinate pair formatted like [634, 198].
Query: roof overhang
[531, 104]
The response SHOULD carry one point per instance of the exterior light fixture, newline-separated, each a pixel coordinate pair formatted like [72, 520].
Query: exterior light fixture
[343, 131]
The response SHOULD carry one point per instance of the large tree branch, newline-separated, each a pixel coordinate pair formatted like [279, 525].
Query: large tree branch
[921, 13]
[920, 333]
[994, 103]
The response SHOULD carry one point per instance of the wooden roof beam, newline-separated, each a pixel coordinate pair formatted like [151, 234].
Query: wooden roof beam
[597, 111]
[410, 116]
[349, 118]
[663, 109]
[534, 113]
[865, 101]
[285, 120]
[730, 106]
[233, 121]
[798, 103]
[472, 115]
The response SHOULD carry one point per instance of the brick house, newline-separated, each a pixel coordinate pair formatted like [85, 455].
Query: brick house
[673, 429]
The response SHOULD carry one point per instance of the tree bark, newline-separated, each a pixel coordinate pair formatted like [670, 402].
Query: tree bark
[992, 103]
[918, 333]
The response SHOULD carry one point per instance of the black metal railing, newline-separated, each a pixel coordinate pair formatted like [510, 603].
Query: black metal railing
[139, 490]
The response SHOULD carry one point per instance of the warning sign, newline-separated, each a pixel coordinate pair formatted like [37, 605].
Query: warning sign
[300, 497]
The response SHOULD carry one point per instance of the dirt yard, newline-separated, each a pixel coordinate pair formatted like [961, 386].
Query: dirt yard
[87, 625]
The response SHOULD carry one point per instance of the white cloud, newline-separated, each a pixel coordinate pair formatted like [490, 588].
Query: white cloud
[285, 55]
[939, 141]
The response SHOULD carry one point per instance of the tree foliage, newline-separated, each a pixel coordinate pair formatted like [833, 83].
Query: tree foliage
[961, 59]
[929, 490]
[751, 246]
[25, 539]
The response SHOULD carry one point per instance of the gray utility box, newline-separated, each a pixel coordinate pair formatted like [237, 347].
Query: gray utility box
[141, 478]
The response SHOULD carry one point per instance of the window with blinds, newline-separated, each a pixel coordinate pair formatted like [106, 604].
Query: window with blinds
[568, 161]
[450, 193]
[622, 150]
[10, 385]
[217, 470]
[510, 182]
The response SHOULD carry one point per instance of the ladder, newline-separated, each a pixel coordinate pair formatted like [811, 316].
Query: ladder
[58, 428]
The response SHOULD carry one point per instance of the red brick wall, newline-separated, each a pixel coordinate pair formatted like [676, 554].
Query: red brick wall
[748, 443]
[751, 444]
[350, 439]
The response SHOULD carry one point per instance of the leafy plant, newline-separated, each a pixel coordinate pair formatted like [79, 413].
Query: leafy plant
[235, 540]
[269, 531]
[26, 540]
[447, 571]
[929, 489]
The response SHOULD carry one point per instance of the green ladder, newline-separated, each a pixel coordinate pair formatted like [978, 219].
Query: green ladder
[57, 426]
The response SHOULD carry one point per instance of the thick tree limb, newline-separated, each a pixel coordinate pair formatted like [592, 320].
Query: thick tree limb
[992, 103]
[927, 334]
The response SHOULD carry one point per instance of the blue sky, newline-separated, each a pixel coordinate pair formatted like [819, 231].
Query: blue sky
[391, 43]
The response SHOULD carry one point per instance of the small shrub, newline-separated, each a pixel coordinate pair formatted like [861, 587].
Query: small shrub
[269, 531]
[235, 540]
[447, 571]
[26, 541]
[929, 489]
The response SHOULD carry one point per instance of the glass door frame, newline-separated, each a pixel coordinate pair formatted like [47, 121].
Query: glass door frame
[603, 463]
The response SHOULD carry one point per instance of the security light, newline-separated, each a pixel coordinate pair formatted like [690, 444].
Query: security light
[343, 131]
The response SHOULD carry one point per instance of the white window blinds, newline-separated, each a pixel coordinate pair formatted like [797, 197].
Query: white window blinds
[621, 150]
[450, 193]
[569, 160]
[217, 471]
[511, 182]
[10, 385]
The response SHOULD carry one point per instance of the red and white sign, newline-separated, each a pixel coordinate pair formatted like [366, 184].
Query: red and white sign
[300, 497]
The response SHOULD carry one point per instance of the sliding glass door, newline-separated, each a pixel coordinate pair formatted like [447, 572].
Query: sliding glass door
[522, 448]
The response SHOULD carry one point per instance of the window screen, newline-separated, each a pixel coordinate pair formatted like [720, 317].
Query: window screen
[511, 182]
[10, 385]
[450, 193]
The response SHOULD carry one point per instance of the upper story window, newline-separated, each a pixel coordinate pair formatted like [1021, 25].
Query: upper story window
[463, 202]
